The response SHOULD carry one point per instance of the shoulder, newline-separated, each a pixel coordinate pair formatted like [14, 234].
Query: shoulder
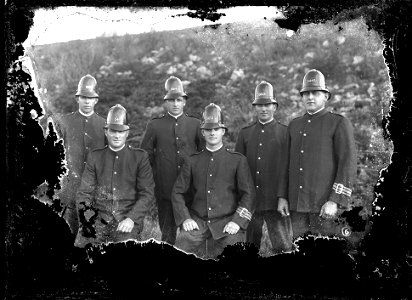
[234, 153]
[197, 153]
[98, 116]
[193, 116]
[98, 151]
[250, 125]
[281, 124]
[135, 149]
[157, 117]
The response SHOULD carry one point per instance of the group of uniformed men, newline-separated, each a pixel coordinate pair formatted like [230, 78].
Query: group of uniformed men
[296, 178]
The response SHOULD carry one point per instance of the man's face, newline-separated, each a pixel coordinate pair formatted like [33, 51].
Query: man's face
[314, 100]
[115, 138]
[86, 104]
[175, 106]
[213, 136]
[265, 111]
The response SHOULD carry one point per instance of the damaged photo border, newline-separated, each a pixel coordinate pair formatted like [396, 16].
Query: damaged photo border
[384, 266]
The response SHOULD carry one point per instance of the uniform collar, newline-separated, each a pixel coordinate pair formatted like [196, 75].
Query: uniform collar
[212, 151]
[316, 112]
[84, 115]
[263, 124]
[118, 149]
[175, 116]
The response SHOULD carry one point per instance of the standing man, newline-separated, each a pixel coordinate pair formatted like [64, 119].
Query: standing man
[263, 143]
[319, 173]
[213, 197]
[169, 140]
[117, 185]
[81, 131]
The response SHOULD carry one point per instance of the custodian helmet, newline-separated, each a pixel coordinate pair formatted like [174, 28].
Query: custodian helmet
[264, 94]
[174, 88]
[212, 117]
[87, 87]
[117, 118]
[314, 81]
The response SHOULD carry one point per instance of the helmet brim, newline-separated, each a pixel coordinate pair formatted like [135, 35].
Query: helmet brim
[315, 88]
[117, 127]
[212, 126]
[87, 94]
[264, 101]
[172, 96]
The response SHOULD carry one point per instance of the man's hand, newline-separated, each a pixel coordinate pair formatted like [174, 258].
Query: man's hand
[283, 207]
[231, 228]
[329, 210]
[126, 225]
[190, 225]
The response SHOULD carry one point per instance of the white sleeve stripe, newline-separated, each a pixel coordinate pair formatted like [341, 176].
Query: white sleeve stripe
[339, 188]
[244, 213]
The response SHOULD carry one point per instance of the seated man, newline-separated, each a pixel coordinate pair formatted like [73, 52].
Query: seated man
[117, 187]
[223, 194]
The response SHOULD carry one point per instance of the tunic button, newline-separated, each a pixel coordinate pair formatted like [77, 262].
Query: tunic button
[210, 175]
[85, 133]
[178, 167]
[257, 172]
[304, 134]
[117, 157]
[257, 186]
[260, 144]
[300, 187]
[177, 138]
[301, 169]
[259, 157]
[115, 173]
[208, 192]
[210, 208]
[263, 130]
[208, 221]
[301, 151]
[308, 121]
[178, 151]
[114, 189]
[177, 124]
[211, 159]
[86, 120]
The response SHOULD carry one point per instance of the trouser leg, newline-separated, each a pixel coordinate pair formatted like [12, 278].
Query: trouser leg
[219, 245]
[193, 241]
[279, 230]
[254, 229]
[166, 221]
[300, 223]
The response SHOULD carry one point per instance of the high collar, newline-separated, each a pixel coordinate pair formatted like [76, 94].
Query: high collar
[176, 117]
[212, 151]
[84, 115]
[118, 150]
[316, 112]
[265, 123]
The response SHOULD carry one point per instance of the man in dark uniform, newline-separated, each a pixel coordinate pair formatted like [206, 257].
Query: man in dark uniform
[263, 144]
[213, 197]
[319, 174]
[81, 131]
[169, 140]
[117, 186]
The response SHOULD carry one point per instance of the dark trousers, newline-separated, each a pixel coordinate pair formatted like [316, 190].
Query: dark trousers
[201, 242]
[312, 223]
[166, 221]
[279, 230]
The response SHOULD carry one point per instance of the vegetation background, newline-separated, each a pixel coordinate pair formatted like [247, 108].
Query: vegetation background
[223, 65]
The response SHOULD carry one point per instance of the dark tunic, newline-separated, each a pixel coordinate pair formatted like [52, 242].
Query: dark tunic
[169, 141]
[264, 148]
[118, 184]
[221, 183]
[321, 164]
[80, 135]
